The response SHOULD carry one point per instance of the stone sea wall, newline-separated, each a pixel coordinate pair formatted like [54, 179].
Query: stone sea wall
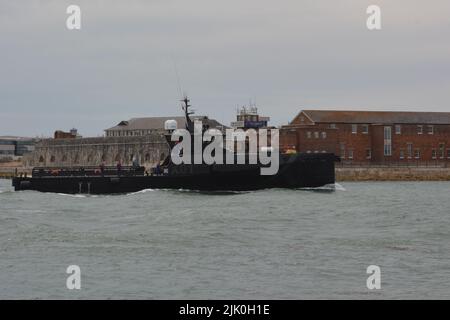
[149, 150]
[393, 174]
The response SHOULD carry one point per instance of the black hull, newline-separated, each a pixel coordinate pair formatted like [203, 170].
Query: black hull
[296, 171]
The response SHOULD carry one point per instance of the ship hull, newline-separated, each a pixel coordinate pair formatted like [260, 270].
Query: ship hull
[296, 171]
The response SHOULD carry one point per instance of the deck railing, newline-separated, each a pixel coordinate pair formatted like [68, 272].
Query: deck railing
[87, 171]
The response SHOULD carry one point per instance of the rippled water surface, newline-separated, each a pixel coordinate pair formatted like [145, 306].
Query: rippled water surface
[274, 244]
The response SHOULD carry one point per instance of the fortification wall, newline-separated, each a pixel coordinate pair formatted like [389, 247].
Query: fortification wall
[393, 174]
[149, 150]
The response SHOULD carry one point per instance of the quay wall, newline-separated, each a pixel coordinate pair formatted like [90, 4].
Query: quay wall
[393, 174]
[148, 150]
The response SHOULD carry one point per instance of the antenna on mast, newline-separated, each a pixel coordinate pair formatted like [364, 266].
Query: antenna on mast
[180, 91]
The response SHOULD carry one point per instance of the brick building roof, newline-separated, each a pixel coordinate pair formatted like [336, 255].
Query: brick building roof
[157, 123]
[384, 117]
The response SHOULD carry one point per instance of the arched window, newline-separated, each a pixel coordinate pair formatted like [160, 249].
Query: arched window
[64, 158]
[147, 157]
[52, 159]
[41, 159]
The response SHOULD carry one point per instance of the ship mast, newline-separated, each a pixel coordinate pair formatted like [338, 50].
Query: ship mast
[187, 113]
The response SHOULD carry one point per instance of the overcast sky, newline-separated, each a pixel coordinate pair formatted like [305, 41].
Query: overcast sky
[285, 55]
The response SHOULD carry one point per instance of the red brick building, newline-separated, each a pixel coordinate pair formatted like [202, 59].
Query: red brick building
[371, 136]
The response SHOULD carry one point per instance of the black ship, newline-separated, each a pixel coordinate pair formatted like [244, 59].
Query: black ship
[298, 170]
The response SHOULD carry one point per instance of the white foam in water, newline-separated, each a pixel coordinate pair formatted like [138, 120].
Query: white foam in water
[72, 195]
[328, 187]
[339, 187]
[139, 192]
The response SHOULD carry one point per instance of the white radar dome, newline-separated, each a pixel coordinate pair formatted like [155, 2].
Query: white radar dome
[170, 125]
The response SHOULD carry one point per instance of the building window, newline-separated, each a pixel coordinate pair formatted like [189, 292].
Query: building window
[433, 154]
[316, 134]
[402, 154]
[333, 126]
[354, 128]
[368, 154]
[342, 153]
[410, 149]
[52, 159]
[41, 159]
[365, 128]
[387, 141]
[448, 153]
[419, 129]
[417, 153]
[350, 153]
[398, 129]
[441, 150]
[308, 134]
[431, 129]
[324, 135]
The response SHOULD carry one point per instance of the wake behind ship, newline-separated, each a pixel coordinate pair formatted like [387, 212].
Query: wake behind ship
[298, 170]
